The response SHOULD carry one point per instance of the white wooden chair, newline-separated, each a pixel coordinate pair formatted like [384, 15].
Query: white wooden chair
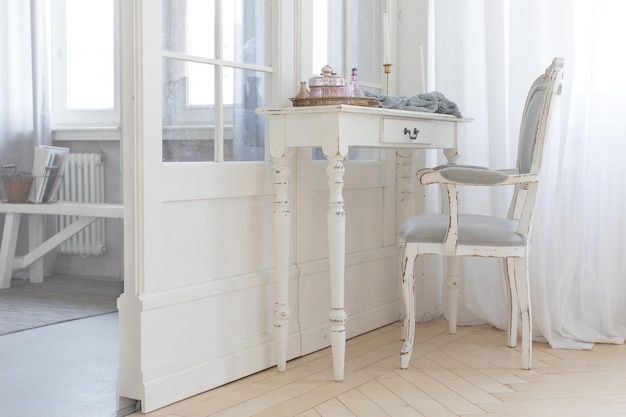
[455, 234]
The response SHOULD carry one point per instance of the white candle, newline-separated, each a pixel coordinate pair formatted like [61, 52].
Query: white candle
[422, 86]
[387, 50]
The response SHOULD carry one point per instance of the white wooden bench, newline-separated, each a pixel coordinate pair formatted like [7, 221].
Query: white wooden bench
[87, 213]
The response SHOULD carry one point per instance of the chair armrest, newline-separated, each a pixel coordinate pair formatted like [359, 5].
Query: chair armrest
[508, 171]
[511, 171]
[451, 176]
[472, 175]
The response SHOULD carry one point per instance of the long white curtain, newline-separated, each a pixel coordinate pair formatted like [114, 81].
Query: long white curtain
[24, 103]
[24, 85]
[16, 98]
[487, 53]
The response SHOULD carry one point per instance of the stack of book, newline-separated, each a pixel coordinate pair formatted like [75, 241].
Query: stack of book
[48, 168]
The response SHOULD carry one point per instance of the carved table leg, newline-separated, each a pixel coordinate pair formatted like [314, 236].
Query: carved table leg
[336, 253]
[282, 243]
[452, 155]
[406, 168]
[405, 160]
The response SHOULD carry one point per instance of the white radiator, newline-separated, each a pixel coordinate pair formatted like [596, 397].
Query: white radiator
[83, 180]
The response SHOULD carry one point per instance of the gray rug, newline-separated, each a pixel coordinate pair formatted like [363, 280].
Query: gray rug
[59, 298]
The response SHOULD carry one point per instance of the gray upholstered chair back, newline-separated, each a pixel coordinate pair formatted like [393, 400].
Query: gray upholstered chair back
[535, 119]
[533, 131]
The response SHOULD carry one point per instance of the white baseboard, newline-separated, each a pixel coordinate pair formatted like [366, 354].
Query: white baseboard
[203, 377]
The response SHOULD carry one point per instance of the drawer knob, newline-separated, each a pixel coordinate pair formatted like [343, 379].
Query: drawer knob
[411, 136]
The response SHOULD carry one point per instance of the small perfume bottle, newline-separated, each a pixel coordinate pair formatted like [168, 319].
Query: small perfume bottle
[353, 89]
[303, 93]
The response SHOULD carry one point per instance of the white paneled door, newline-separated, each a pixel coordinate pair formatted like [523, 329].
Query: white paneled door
[196, 308]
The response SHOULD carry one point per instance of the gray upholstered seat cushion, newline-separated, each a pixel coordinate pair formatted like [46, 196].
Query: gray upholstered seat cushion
[473, 230]
[465, 175]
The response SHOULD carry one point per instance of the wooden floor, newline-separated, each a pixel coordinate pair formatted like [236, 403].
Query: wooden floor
[470, 373]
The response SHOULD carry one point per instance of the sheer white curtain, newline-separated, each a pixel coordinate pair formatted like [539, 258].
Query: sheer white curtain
[24, 113]
[487, 54]
[24, 86]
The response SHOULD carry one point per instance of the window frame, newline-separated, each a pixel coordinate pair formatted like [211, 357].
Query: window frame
[220, 114]
[67, 124]
[306, 41]
[305, 59]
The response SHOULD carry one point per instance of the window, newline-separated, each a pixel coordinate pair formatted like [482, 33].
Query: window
[216, 71]
[362, 41]
[85, 61]
[347, 34]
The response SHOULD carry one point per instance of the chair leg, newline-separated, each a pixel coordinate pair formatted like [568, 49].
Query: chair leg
[523, 297]
[405, 316]
[408, 296]
[512, 303]
[453, 292]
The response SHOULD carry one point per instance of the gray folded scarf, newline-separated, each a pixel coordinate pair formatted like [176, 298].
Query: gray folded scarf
[433, 102]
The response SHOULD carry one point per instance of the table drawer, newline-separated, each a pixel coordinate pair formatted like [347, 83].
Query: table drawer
[437, 134]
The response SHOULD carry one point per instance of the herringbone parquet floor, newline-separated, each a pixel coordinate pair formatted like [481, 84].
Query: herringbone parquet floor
[470, 373]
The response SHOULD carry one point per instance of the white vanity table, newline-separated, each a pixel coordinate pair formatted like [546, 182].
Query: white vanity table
[335, 129]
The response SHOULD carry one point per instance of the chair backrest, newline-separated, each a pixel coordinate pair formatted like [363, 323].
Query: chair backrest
[533, 132]
[535, 119]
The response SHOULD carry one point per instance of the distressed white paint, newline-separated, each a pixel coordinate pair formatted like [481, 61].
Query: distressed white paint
[282, 232]
[336, 218]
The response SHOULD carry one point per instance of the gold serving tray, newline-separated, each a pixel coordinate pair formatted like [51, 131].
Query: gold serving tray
[327, 101]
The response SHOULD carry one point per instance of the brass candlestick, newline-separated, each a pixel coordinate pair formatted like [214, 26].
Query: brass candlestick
[387, 68]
